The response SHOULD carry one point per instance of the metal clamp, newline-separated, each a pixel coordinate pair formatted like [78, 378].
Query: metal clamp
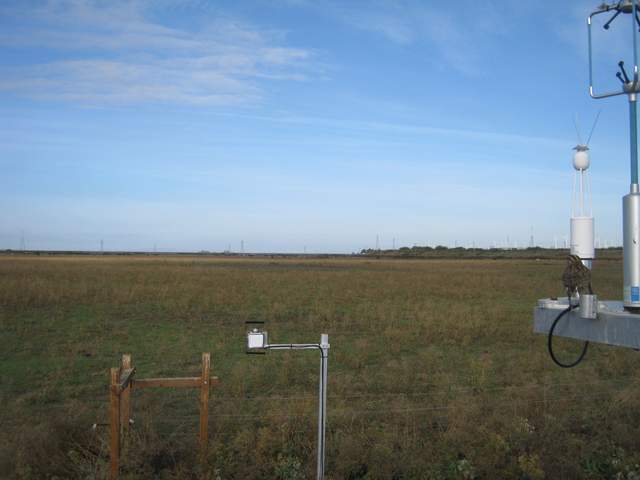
[588, 306]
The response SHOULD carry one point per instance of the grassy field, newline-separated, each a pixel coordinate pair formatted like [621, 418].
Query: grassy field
[434, 371]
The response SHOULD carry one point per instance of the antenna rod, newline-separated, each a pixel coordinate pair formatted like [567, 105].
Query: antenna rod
[608, 24]
[623, 71]
[595, 122]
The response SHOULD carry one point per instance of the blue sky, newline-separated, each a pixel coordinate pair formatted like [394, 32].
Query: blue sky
[194, 124]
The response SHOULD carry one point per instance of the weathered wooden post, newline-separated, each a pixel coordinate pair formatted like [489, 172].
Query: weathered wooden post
[114, 394]
[205, 383]
[125, 398]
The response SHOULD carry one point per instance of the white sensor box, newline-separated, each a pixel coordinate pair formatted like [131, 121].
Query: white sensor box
[256, 340]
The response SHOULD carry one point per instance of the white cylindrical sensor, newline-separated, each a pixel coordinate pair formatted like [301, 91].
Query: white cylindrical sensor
[582, 238]
[631, 244]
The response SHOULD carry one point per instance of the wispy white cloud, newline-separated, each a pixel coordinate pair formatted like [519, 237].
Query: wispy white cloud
[391, 23]
[115, 53]
[459, 33]
[379, 133]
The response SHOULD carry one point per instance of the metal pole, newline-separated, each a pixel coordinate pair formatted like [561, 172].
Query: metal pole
[582, 193]
[323, 346]
[631, 219]
[634, 13]
[322, 404]
[633, 122]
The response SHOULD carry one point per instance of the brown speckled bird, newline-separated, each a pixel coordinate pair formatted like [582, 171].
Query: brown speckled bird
[576, 277]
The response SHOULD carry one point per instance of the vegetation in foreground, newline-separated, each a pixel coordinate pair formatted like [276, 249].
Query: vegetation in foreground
[433, 371]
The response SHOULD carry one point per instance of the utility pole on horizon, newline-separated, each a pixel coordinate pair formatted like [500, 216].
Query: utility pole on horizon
[531, 241]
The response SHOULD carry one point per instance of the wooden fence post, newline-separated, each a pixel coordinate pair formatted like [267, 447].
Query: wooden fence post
[121, 383]
[125, 400]
[205, 381]
[114, 393]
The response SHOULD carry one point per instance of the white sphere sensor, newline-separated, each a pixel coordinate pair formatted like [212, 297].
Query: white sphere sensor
[581, 159]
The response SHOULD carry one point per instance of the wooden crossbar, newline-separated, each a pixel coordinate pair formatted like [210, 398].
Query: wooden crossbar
[178, 382]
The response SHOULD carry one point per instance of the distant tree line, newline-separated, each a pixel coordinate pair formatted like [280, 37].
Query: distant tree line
[442, 251]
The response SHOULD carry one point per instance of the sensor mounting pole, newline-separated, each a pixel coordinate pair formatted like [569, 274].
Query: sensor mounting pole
[631, 201]
[608, 322]
[633, 136]
[257, 343]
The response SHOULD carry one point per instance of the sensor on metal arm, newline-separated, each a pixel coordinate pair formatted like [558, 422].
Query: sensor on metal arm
[608, 322]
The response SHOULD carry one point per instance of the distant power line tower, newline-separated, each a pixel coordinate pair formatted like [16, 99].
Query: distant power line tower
[23, 243]
[242, 247]
[377, 242]
[531, 241]
[394, 243]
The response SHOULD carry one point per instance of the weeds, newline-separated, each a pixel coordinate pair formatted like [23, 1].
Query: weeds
[434, 371]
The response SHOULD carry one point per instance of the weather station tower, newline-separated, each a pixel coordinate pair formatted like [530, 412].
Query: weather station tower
[580, 314]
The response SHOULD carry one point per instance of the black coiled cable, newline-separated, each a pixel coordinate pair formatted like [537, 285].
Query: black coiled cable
[550, 340]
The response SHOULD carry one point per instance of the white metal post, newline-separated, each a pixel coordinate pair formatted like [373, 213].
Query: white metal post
[257, 340]
[322, 403]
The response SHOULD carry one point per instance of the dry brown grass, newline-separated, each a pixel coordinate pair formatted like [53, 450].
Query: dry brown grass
[434, 371]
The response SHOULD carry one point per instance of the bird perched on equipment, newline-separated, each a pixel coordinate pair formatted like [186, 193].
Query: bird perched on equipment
[576, 277]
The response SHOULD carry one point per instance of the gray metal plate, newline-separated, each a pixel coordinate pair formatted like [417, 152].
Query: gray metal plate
[614, 325]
